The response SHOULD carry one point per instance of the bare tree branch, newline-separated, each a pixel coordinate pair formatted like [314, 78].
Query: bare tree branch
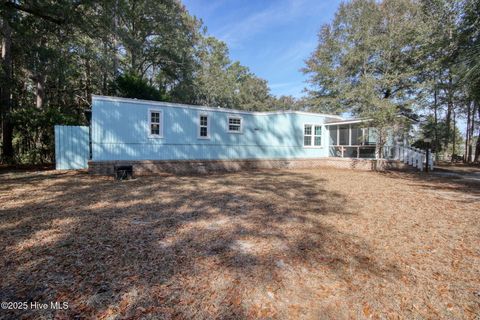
[34, 11]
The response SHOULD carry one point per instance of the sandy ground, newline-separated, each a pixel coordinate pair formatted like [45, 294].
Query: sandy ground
[304, 244]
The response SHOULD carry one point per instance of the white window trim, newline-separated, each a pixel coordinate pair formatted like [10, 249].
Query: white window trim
[312, 143]
[203, 114]
[155, 136]
[228, 124]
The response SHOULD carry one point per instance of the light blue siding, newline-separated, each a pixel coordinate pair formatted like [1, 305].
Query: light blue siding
[120, 131]
[71, 147]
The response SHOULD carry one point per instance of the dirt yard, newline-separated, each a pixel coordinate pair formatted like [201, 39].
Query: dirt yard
[304, 244]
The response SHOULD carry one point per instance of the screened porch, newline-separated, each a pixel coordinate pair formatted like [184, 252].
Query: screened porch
[352, 139]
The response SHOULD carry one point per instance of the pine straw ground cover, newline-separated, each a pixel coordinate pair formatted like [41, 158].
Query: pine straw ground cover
[309, 244]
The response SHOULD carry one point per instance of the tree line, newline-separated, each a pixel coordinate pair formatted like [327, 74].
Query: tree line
[56, 54]
[396, 62]
[400, 62]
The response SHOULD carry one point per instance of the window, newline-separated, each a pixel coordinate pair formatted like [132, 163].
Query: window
[155, 120]
[234, 124]
[307, 135]
[312, 135]
[317, 136]
[203, 127]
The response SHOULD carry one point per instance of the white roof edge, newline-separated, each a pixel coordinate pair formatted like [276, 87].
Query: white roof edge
[189, 106]
[347, 122]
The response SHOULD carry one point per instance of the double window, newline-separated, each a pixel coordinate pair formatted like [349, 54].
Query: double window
[235, 124]
[203, 126]
[155, 119]
[312, 135]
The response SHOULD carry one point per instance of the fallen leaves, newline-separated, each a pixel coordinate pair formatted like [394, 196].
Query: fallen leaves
[268, 244]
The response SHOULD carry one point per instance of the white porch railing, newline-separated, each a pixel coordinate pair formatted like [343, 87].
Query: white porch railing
[414, 157]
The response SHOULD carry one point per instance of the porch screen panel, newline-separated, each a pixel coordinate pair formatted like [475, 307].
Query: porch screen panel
[370, 136]
[333, 135]
[344, 136]
[357, 138]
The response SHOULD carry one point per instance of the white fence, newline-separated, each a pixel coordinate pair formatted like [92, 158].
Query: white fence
[71, 147]
[409, 155]
[414, 157]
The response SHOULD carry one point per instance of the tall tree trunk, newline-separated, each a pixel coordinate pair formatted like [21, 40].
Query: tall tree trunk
[40, 90]
[5, 93]
[448, 118]
[477, 145]
[382, 132]
[453, 141]
[115, 40]
[380, 144]
[88, 79]
[472, 131]
[466, 157]
[435, 113]
[105, 69]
